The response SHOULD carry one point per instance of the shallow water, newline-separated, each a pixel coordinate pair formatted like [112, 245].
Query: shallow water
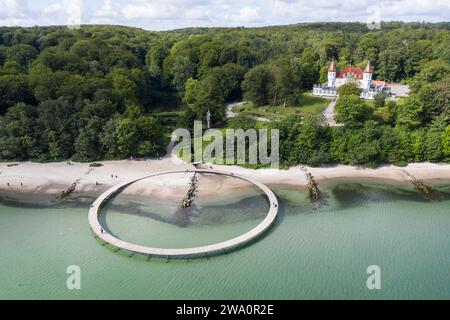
[314, 251]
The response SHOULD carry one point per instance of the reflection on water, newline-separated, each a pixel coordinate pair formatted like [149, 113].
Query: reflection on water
[351, 195]
[341, 196]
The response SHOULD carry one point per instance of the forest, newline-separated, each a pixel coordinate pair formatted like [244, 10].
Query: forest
[111, 92]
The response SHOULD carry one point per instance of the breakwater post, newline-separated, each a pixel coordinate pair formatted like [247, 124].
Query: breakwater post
[419, 184]
[191, 193]
[66, 193]
[313, 188]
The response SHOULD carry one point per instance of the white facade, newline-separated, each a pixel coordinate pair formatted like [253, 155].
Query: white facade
[331, 79]
[362, 78]
[366, 81]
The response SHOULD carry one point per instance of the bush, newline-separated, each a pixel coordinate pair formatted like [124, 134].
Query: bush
[95, 165]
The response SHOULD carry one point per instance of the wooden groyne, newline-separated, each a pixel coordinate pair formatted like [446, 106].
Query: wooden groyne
[66, 193]
[313, 188]
[419, 184]
[191, 193]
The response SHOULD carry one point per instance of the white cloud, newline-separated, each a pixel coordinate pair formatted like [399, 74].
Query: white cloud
[107, 12]
[54, 8]
[356, 10]
[143, 9]
[170, 14]
[248, 14]
[13, 8]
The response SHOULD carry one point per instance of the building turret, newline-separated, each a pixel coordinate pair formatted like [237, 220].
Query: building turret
[332, 74]
[367, 76]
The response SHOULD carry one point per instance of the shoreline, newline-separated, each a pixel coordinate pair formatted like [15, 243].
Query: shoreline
[49, 179]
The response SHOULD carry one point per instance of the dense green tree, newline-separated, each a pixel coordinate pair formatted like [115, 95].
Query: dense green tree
[230, 77]
[206, 95]
[87, 145]
[387, 114]
[133, 134]
[369, 145]
[19, 132]
[309, 68]
[391, 64]
[418, 52]
[59, 60]
[57, 121]
[435, 98]
[379, 100]
[64, 93]
[350, 88]
[434, 140]
[446, 143]
[410, 113]
[22, 54]
[352, 111]
[182, 70]
[259, 85]
[155, 59]
[11, 68]
[3, 54]
[329, 50]
[431, 71]
[14, 89]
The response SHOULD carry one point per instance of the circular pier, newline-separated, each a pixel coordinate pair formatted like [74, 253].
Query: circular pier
[195, 252]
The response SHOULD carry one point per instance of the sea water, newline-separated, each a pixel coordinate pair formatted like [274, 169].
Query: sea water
[315, 251]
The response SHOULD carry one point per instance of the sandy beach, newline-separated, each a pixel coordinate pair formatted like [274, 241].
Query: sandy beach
[27, 178]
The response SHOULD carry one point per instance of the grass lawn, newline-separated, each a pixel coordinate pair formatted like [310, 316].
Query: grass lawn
[307, 104]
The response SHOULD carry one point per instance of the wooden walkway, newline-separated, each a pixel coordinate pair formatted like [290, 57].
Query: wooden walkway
[196, 252]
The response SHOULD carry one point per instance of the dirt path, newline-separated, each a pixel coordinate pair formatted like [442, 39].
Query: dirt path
[232, 114]
[231, 106]
[329, 114]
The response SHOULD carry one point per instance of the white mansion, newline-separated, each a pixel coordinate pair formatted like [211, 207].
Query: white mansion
[337, 78]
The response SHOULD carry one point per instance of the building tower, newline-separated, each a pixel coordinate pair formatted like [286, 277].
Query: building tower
[332, 74]
[367, 76]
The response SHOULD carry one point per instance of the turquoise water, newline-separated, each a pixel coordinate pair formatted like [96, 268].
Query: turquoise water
[314, 251]
[150, 221]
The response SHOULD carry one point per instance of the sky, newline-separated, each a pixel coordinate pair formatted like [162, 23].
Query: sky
[172, 14]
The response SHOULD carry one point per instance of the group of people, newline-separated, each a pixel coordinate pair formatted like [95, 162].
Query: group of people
[9, 184]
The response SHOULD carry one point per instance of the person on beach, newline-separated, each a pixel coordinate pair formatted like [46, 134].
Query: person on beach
[7, 184]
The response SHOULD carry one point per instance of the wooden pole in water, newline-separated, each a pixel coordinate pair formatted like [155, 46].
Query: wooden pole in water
[313, 188]
[419, 184]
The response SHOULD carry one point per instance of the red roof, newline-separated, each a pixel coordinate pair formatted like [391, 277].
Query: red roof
[350, 71]
[379, 83]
